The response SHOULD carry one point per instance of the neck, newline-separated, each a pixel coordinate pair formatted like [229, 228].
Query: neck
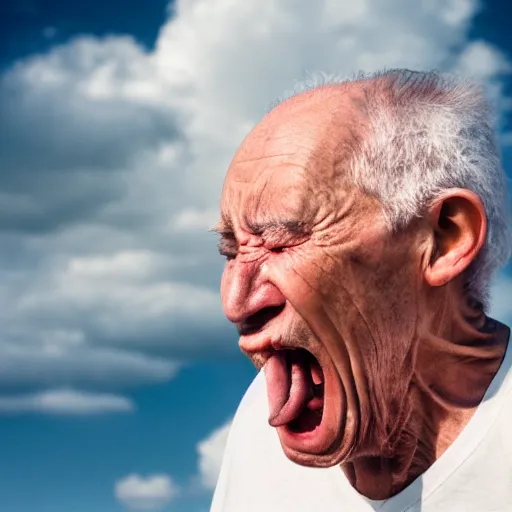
[453, 367]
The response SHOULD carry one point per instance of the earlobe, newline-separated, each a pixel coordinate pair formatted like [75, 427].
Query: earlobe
[459, 226]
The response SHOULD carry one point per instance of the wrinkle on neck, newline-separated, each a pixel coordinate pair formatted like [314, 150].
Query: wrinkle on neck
[451, 367]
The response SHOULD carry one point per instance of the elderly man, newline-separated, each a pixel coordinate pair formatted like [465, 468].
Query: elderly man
[361, 223]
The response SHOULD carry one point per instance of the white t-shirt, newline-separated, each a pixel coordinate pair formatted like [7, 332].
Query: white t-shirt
[473, 475]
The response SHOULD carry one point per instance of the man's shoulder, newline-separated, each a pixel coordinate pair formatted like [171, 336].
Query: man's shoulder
[254, 459]
[255, 394]
[248, 457]
[250, 420]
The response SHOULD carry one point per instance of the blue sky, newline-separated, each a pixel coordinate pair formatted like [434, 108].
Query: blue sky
[118, 372]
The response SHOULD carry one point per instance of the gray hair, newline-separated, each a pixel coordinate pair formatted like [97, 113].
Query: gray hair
[430, 133]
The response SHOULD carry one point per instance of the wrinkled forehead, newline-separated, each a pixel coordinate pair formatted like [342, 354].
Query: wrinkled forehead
[260, 190]
[291, 160]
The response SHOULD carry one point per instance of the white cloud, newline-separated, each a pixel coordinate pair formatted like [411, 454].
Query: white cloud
[49, 359]
[481, 60]
[211, 451]
[192, 219]
[454, 12]
[150, 493]
[114, 158]
[66, 402]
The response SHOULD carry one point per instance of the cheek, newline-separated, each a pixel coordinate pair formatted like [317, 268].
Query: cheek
[369, 300]
[292, 273]
[386, 299]
[307, 283]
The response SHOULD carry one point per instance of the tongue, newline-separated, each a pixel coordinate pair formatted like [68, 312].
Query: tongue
[289, 387]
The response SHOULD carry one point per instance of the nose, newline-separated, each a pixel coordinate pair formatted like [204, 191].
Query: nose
[249, 300]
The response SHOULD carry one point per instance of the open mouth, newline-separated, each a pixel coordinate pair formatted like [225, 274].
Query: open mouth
[307, 406]
[295, 387]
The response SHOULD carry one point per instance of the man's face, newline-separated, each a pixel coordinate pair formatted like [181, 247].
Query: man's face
[323, 295]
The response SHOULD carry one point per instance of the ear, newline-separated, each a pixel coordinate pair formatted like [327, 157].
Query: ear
[459, 227]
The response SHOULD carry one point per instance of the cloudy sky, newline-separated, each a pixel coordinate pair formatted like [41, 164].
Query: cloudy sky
[118, 372]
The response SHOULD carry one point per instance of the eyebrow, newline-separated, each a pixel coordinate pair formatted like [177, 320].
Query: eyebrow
[293, 227]
[222, 228]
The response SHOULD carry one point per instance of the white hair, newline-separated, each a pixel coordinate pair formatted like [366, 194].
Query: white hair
[430, 133]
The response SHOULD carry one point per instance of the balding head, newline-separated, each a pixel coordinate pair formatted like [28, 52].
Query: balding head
[315, 126]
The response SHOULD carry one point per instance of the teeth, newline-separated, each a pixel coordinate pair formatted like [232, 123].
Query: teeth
[317, 375]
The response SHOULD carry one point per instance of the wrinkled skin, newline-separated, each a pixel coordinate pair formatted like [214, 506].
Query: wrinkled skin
[406, 356]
